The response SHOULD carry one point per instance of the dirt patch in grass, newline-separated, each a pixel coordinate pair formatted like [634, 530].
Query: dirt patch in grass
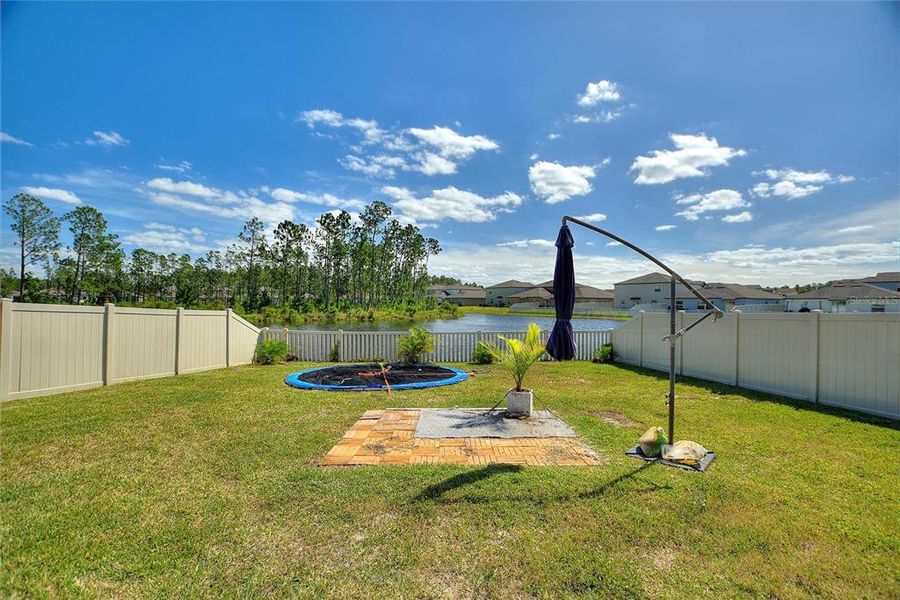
[617, 419]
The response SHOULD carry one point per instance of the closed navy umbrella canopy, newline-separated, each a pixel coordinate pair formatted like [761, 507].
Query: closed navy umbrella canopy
[561, 344]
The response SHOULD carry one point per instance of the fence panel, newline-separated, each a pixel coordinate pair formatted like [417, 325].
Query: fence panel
[142, 343]
[850, 360]
[53, 348]
[859, 362]
[202, 338]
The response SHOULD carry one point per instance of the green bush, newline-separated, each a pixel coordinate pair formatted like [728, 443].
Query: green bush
[482, 355]
[270, 351]
[335, 354]
[412, 347]
[604, 354]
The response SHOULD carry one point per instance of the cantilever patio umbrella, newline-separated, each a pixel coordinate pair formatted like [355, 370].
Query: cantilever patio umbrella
[561, 346]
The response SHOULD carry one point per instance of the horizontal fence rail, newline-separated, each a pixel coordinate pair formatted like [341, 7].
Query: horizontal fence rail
[840, 359]
[450, 346]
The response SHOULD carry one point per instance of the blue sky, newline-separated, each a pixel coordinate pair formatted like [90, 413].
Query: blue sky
[751, 142]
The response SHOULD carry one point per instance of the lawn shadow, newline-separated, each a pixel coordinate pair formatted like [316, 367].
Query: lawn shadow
[435, 491]
[755, 396]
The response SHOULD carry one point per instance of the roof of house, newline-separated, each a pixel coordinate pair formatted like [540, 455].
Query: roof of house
[512, 283]
[847, 290]
[887, 276]
[592, 293]
[477, 294]
[438, 288]
[733, 291]
[535, 292]
[654, 277]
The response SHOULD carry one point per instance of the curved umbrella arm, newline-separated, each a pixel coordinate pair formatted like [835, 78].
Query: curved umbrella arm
[717, 312]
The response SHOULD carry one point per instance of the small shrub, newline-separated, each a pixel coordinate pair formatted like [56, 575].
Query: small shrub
[604, 354]
[335, 354]
[481, 355]
[519, 355]
[412, 347]
[270, 352]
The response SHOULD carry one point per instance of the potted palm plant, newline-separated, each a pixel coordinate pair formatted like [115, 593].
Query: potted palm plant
[518, 356]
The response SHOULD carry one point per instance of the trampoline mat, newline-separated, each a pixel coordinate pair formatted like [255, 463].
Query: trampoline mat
[483, 423]
[374, 376]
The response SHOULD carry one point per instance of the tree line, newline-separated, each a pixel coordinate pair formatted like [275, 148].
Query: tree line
[341, 262]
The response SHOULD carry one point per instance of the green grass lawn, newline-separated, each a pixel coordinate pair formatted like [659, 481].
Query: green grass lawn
[207, 485]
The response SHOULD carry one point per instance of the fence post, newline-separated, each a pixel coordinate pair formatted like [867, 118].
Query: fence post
[227, 337]
[179, 355]
[641, 344]
[340, 345]
[108, 325]
[816, 319]
[6, 311]
[737, 347]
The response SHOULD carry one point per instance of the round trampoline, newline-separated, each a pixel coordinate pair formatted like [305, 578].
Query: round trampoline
[373, 376]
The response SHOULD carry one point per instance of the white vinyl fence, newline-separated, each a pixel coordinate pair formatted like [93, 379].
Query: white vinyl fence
[845, 360]
[382, 345]
[52, 348]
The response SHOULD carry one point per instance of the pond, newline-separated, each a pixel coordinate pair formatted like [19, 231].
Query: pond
[468, 322]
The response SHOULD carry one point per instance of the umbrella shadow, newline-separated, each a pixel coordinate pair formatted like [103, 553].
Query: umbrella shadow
[435, 491]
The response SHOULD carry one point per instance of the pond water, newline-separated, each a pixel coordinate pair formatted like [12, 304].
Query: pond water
[468, 322]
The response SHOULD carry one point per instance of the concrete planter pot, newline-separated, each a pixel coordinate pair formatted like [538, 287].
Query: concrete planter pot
[520, 404]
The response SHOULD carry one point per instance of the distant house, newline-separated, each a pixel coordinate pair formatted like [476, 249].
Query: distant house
[652, 288]
[584, 293]
[439, 291]
[470, 297]
[538, 296]
[498, 294]
[847, 296]
[889, 280]
[727, 296]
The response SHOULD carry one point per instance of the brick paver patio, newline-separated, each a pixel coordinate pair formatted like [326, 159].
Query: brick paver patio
[387, 437]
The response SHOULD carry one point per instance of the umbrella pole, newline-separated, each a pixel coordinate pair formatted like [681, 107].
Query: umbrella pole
[672, 339]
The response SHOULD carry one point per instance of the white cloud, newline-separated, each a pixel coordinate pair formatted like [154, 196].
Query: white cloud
[435, 151]
[533, 157]
[107, 139]
[855, 229]
[555, 182]
[9, 139]
[450, 203]
[241, 207]
[601, 91]
[691, 158]
[613, 244]
[183, 187]
[791, 183]
[554, 136]
[604, 116]
[450, 144]
[182, 167]
[664, 227]
[741, 217]
[592, 218]
[291, 196]
[429, 163]
[713, 201]
[168, 238]
[526, 243]
[767, 260]
[46, 193]
[323, 116]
